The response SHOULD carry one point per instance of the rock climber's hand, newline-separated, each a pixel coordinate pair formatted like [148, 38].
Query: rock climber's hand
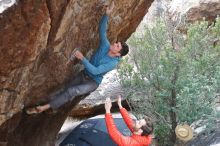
[78, 55]
[110, 8]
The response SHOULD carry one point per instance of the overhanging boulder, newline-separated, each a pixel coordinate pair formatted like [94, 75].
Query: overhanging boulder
[37, 37]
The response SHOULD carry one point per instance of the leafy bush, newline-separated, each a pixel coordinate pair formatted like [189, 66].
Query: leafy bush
[173, 77]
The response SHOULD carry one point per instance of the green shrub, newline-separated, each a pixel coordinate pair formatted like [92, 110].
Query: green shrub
[173, 78]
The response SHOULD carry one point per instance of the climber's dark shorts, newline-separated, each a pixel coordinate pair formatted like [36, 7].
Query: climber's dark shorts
[80, 84]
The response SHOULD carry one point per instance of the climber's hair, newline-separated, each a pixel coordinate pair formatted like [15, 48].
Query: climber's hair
[124, 50]
[148, 128]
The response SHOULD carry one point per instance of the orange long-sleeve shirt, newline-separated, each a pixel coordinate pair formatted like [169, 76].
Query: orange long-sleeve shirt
[121, 140]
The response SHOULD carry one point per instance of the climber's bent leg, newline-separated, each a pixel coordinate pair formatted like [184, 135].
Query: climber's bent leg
[70, 93]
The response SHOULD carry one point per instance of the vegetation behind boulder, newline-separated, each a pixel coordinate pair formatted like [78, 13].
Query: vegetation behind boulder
[173, 77]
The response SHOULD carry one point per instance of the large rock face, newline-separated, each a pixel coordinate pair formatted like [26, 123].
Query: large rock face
[37, 37]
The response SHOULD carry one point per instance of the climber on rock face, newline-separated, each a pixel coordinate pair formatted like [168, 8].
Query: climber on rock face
[104, 60]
